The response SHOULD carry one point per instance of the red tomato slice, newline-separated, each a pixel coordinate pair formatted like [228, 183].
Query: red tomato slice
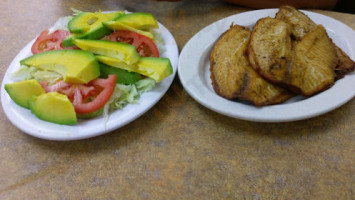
[144, 45]
[48, 42]
[86, 98]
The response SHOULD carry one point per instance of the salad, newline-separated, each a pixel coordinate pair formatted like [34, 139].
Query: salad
[89, 64]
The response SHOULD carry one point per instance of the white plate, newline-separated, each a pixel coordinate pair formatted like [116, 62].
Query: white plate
[194, 73]
[28, 123]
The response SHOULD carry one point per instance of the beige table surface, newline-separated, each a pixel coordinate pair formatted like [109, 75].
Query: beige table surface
[178, 149]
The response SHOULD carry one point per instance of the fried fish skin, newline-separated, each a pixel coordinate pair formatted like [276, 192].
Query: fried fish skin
[270, 49]
[345, 64]
[301, 24]
[227, 63]
[232, 76]
[312, 68]
[304, 66]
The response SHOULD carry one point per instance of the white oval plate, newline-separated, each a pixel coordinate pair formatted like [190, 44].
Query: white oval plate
[194, 73]
[30, 124]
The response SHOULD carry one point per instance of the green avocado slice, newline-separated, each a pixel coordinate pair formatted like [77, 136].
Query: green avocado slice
[53, 107]
[76, 66]
[139, 20]
[88, 25]
[120, 50]
[155, 68]
[123, 76]
[21, 92]
[117, 25]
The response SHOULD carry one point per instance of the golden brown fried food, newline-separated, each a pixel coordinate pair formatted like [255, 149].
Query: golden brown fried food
[304, 66]
[301, 24]
[233, 77]
[270, 49]
[312, 68]
[345, 64]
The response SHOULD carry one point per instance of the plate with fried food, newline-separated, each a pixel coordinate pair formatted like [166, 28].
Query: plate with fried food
[271, 65]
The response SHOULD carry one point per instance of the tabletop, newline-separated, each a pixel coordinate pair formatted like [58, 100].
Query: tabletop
[178, 149]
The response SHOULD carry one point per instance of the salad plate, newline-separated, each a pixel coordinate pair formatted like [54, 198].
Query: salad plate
[193, 71]
[27, 122]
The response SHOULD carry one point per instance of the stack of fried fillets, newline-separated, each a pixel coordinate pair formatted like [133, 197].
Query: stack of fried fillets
[279, 58]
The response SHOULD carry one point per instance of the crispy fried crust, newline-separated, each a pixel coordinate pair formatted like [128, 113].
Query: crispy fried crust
[226, 62]
[301, 24]
[270, 49]
[345, 65]
[305, 66]
[312, 68]
[286, 53]
[233, 77]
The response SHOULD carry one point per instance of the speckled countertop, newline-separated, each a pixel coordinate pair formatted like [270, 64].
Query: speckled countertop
[178, 149]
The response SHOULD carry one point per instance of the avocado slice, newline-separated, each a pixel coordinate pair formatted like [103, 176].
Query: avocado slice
[76, 66]
[53, 107]
[21, 92]
[155, 68]
[120, 50]
[139, 20]
[88, 25]
[123, 76]
[117, 25]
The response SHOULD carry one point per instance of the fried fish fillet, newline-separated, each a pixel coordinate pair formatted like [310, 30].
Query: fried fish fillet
[345, 64]
[232, 76]
[270, 49]
[301, 24]
[304, 66]
[312, 68]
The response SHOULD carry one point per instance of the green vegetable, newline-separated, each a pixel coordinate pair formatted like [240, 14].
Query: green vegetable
[76, 66]
[87, 25]
[21, 92]
[125, 94]
[155, 68]
[125, 52]
[139, 20]
[123, 76]
[53, 107]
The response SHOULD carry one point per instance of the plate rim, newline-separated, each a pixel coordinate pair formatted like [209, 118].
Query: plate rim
[12, 110]
[244, 113]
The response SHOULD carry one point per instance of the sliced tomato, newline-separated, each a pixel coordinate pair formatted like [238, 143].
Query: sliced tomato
[86, 98]
[144, 45]
[48, 42]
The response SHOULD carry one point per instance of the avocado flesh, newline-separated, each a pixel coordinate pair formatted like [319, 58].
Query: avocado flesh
[21, 92]
[123, 76]
[125, 52]
[87, 25]
[53, 107]
[139, 20]
[117, 25]
[76, 66]
[155, 68]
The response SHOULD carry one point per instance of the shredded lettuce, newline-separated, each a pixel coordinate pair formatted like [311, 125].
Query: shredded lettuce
[125, 94]
[145, 85]
[26, 73]
[49, 76]
[62, 23]
[159, 41]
